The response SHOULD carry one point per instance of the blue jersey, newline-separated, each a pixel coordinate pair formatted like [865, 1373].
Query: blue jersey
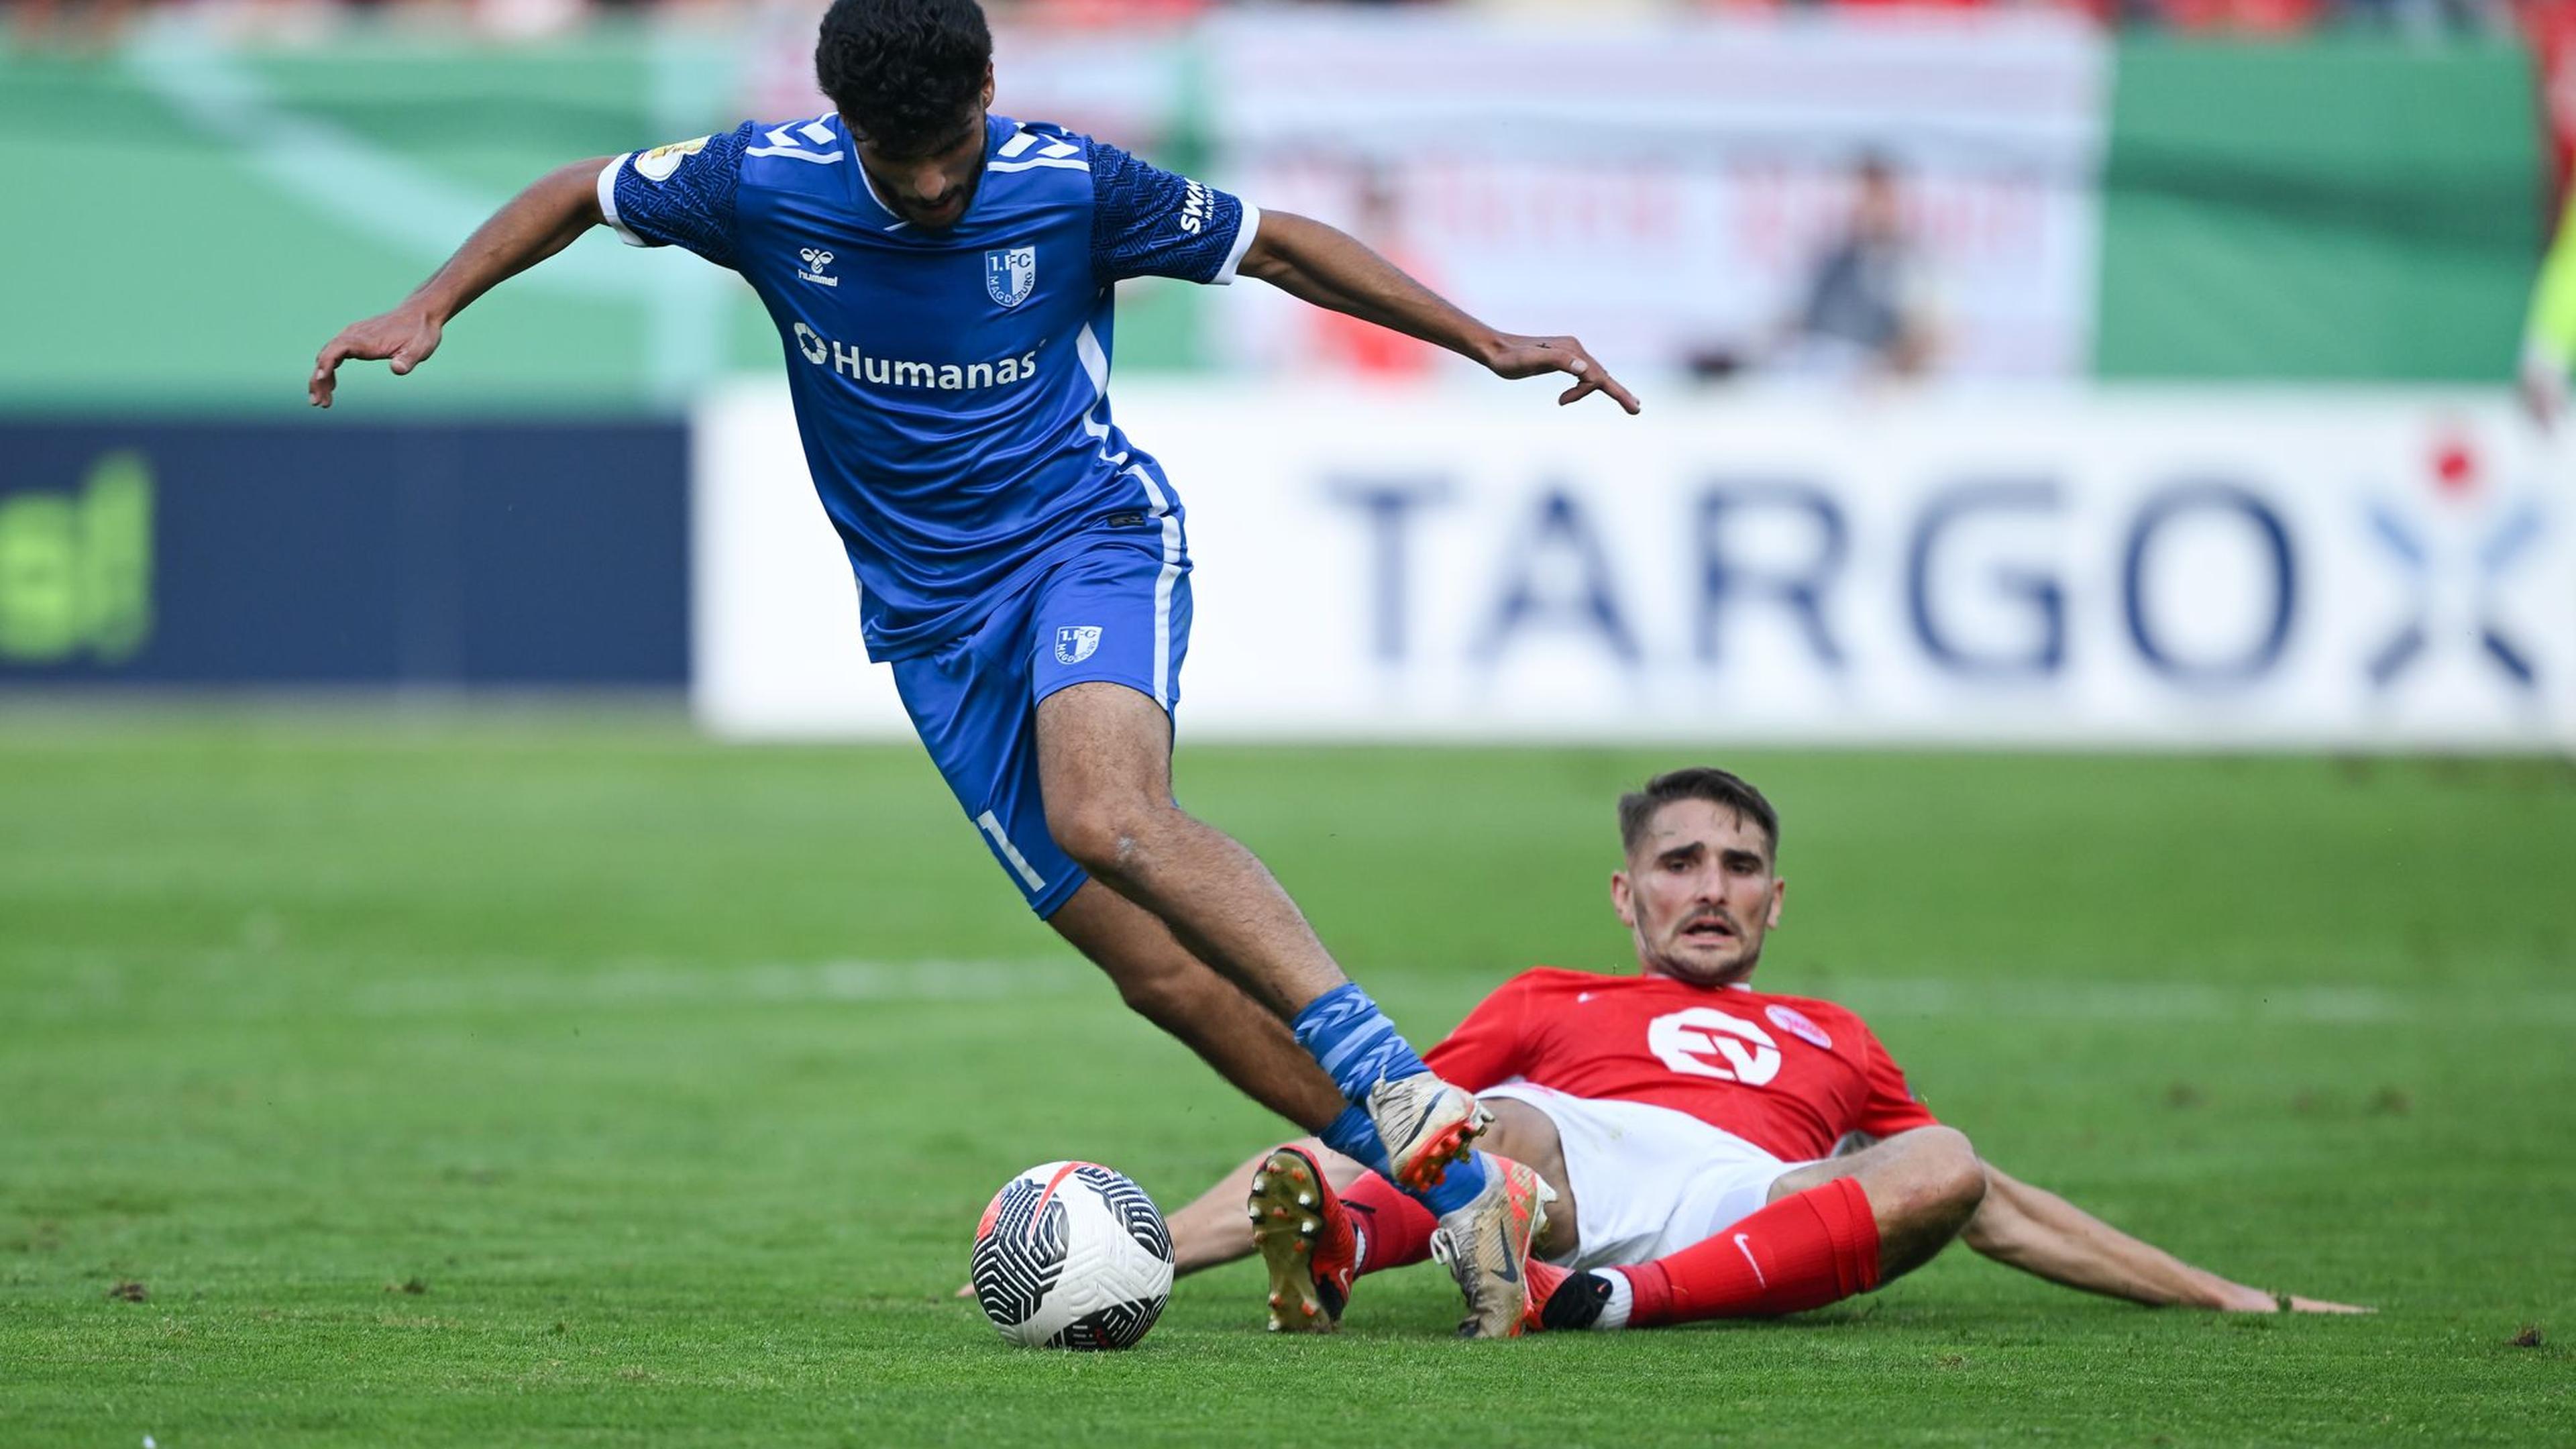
[950, 386]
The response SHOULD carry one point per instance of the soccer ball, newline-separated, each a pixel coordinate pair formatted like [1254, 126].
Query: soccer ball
[1072, 1255]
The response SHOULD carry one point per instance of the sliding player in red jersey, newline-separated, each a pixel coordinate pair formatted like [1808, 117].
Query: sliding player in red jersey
[1694, 1148]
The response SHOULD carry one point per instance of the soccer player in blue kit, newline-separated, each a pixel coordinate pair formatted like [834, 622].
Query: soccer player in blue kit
[941, 278]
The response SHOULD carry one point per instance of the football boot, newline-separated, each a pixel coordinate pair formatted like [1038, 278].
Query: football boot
[1306, 1241]
[1486, 1247]
[1426, 1124]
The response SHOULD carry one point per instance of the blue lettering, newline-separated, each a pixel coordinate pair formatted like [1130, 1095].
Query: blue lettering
[2220, 498]
[1387, 510]
[2045, 595]
[1800, 590]
[1560, 528]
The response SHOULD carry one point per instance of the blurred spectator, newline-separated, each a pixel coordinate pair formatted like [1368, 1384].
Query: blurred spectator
[1868, 306]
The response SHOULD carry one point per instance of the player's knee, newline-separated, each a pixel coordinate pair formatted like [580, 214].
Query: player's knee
[1952, 1173]
[1106, 837]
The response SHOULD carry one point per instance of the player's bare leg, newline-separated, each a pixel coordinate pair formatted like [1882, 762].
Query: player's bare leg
[1104, 766]
[1105, 770]
[1924, 1187]
[1164, 983]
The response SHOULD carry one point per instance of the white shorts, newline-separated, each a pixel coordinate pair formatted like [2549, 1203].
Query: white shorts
[1647, 1181]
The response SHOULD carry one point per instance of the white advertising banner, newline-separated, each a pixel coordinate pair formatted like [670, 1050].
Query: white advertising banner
[2219, 568]
[1805, 195]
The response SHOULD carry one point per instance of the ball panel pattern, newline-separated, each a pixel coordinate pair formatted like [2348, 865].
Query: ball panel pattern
[1120, 1325]
[1020, 1257]
[1134, 1210]
[1072, 1255]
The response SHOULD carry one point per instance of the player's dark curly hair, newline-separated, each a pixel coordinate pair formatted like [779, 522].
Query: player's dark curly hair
[1699, 782]
[904, 73]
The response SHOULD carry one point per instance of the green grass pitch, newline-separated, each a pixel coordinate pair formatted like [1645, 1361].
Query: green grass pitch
[568, 1080]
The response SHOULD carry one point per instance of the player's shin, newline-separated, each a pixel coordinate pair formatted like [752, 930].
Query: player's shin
[1804, 1251]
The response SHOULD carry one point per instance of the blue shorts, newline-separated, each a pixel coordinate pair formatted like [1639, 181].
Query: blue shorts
[1119, 611]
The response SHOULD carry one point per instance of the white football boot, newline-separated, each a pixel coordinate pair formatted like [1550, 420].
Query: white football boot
[1426, 1124]
[1486, 1247]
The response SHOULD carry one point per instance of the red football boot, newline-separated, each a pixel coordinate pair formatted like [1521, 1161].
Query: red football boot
[1306, 1239]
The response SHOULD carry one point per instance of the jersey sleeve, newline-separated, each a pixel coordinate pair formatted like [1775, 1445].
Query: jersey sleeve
[1490, 1046]
[678, 195]
[1148, 222]
[1891, 1106]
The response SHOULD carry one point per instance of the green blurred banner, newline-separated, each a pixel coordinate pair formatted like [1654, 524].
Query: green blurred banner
[204, 219]
[2334, 210]
[190, 219]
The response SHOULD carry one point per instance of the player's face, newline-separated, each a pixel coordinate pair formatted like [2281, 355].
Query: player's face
[931, 188]
[1698, 894]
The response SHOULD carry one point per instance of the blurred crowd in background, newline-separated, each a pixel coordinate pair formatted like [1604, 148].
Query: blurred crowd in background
[77, 22]
[1835, 194]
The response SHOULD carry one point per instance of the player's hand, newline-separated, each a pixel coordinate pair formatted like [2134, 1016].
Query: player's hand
[404, 337]
[2237, 1298]
[1532, 356]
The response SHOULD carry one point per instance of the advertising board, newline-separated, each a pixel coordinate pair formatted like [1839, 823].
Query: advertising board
[2205, 568]
[343, 554]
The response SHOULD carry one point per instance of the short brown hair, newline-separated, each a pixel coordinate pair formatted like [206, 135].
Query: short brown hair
[1697, 782]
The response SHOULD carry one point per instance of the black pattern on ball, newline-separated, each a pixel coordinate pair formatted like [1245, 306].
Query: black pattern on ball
[1143, 1221]
[1121, 1325]
[1020, 1259]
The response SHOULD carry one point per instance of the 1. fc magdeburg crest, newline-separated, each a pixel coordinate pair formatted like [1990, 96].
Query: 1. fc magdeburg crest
[1074, 643]
[1011, 275]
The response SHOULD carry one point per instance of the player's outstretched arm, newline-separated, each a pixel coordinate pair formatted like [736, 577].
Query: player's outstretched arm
[536, 224]
[1316, 263]
[2046, 1236]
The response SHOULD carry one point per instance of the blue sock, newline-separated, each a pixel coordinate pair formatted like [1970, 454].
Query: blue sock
[1353, 1135]
[1354, 1042]
[1459, 1188]
[1358, 1048]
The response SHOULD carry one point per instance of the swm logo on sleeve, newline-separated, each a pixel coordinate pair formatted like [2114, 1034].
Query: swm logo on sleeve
[1075, 643]
[1010, 275]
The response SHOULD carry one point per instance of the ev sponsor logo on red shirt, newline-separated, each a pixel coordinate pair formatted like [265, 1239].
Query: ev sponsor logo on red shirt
[1688, 1041]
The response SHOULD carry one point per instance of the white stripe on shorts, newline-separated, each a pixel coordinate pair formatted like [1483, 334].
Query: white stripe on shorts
[993, 827]
[1161, 504]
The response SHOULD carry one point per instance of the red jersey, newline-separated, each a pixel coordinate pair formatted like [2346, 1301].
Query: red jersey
[1788, 1074]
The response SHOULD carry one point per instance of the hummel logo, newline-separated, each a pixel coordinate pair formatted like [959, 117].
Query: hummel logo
[816, 259]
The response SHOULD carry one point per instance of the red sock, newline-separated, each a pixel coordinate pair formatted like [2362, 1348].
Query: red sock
[1394, 1229]
[1801, 1252]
